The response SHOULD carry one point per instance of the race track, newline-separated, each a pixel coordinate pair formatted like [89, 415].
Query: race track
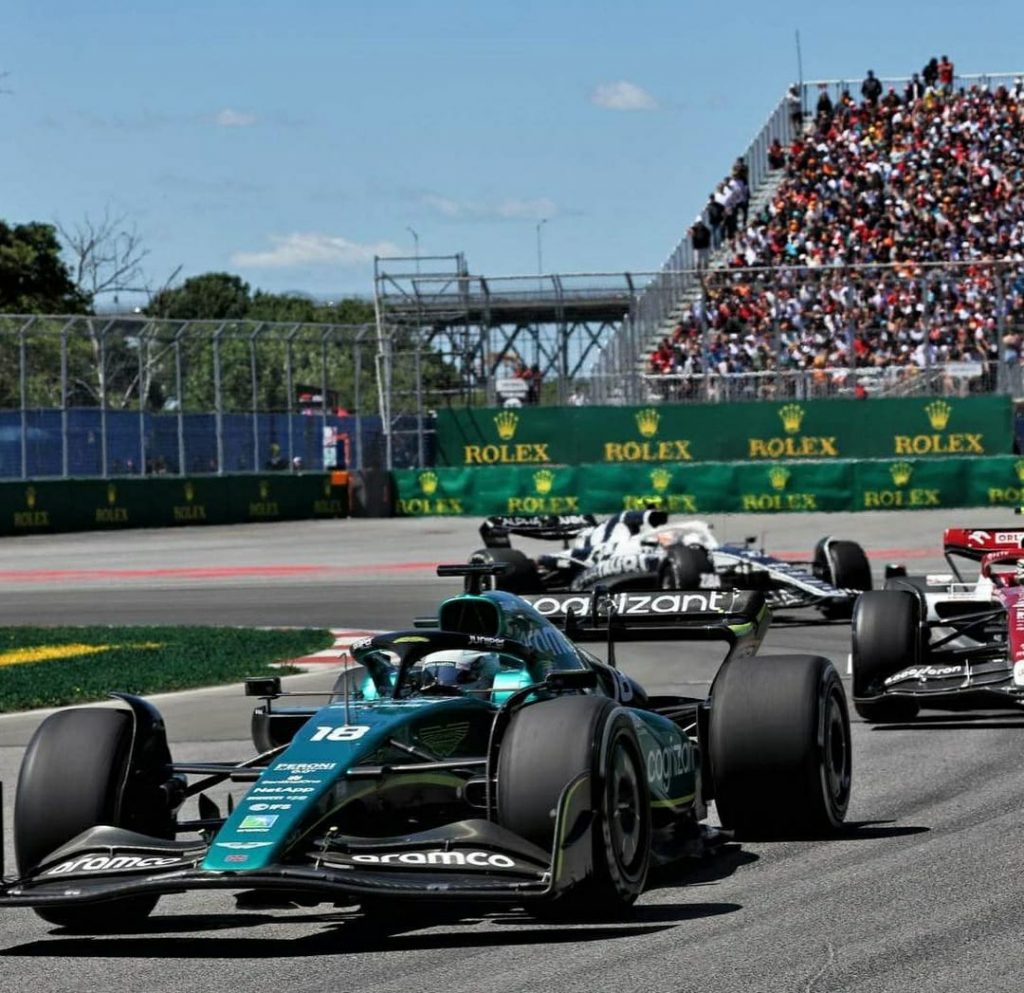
[923, 892]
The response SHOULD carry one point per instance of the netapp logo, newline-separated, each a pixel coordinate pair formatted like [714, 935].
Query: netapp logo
[110, 863]
[481, 860]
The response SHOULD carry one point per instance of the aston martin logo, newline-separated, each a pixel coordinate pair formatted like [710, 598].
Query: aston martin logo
[443, 739]
[901, 473]
[938, 412]
[792, 415]
[647, 422]
[428, 483]
[506, 423]
[543, 481]
[660, 478]
[778, 477]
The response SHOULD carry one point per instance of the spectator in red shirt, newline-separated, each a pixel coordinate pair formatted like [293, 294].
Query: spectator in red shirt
[946, 75]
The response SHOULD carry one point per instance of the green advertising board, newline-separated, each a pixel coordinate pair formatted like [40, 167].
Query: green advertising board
[741, 432]
[35, 507]
[715, 487]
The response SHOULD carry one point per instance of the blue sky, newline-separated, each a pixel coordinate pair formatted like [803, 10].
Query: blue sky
[290, 142]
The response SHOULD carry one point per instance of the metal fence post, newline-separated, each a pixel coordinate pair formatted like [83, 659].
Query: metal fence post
[289, 385]
[23, 387]
[180, 397]
[357, 364]
[64, 400]
[141, 391]
[103, 402]
[255, 399]
[218, 399]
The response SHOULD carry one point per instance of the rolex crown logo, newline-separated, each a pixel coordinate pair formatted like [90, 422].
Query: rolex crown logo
[660, 478]
[1018, 467]
[111, 494]
[543, 481]
[647, 422]
[506, 422]
[901, 472]
[327, 486]
[30, 497]
[778, 477]
[190, 492]
[938, 412]
[264, 489]
[428, 483]
[792, 415]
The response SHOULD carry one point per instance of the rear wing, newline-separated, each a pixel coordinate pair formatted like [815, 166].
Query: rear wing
[975, 543]
[711, 615]
[495, 531]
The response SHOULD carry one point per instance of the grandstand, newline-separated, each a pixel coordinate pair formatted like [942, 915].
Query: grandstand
[883, 253]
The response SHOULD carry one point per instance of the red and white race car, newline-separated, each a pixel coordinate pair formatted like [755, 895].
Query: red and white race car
[953, 641]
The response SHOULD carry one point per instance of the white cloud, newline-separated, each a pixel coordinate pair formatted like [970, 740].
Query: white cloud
[228, 118]
[503, 210]
[622, 96]
[305, 249]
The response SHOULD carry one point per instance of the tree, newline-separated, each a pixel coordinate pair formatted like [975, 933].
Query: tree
[213, 296]
[106, 255]
[33, 277]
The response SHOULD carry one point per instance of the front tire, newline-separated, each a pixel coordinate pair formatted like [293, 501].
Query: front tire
[886, 637]
[520, 575]
[547, 746]
[779, 746]
[684, 568]
[845, 565]
[72, 778]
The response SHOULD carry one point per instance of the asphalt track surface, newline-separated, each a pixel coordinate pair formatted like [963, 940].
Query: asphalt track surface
[923, 892]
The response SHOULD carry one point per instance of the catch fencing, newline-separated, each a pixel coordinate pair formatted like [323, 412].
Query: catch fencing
[131, 396]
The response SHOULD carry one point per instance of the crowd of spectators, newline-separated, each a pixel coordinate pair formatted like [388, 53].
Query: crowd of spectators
[892, 184]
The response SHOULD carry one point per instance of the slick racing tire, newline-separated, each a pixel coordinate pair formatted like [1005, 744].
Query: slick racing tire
[684, 566]
[779, 745]
[550, 744]
[843, 564]
[886, 637]
[72, 779]
[521, 574]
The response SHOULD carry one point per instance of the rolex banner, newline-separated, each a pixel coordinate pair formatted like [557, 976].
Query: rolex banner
[740, 432]
[41, 506]
[716, 487]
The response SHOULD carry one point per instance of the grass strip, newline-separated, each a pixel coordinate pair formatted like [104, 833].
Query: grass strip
[50, 667]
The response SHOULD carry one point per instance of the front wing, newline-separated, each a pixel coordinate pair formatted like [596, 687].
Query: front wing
[472, 859]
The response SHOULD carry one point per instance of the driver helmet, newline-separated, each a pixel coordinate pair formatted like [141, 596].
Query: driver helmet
[460, 669]
[1018, 575]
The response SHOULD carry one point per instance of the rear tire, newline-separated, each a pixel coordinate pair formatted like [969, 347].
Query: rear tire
[72, 778]
[845, 565]
[886, 637]
[547, 746]
[521, 575]
[684, 567]
[779, 746]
